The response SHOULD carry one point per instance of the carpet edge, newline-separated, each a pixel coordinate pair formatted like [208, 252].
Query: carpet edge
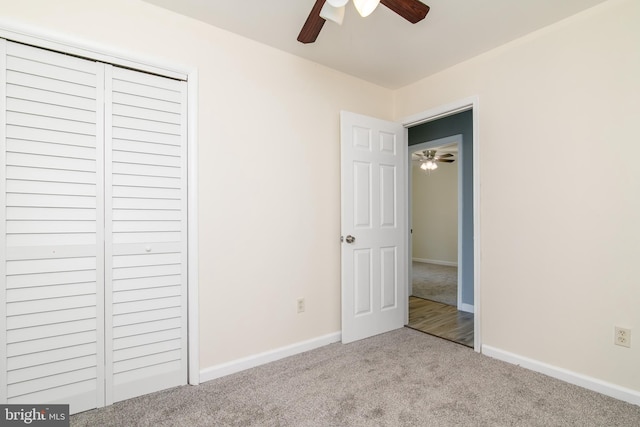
[603, 387]
[228, 368]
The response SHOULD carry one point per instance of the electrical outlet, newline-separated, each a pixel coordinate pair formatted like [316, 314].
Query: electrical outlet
[301, 307]
[622, 336]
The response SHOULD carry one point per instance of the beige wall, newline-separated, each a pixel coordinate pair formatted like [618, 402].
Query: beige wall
[434, 213]
[559, 188]
[269, 205]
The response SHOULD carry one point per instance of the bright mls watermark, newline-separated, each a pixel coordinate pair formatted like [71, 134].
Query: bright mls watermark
[34, 415]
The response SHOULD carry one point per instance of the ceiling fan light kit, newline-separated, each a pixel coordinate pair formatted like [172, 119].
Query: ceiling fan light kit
[428, 165]
[332, 13]
[429, 160]
[366, 7]
[333, 10]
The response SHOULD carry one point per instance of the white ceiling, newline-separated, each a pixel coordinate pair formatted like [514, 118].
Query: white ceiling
[384, 48]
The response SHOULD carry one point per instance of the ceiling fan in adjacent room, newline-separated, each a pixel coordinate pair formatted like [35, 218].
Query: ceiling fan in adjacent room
[333, 10]
[429, 160]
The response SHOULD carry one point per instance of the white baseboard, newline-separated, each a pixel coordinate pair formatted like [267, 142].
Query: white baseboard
[238, 365]
[435, 261]
[594, 384]
[466, 307]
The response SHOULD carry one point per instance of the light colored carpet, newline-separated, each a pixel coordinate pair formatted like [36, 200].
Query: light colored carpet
[435, 282]
[401, 378]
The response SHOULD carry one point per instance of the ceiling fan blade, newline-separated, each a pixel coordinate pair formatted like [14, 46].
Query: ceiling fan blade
[411, 10]
[445, 160]
[313, 24]
[442, 156]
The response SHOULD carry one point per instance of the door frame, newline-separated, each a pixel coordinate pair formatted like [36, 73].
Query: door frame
[435, 143]
[118, 56]
[470, 103]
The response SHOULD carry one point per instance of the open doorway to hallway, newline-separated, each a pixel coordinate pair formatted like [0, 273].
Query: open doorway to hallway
[441, 215]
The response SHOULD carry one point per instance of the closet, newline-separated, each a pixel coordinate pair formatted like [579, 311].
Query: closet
[93, 215]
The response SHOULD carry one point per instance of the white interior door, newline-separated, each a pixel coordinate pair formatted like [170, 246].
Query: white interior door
[373, 165]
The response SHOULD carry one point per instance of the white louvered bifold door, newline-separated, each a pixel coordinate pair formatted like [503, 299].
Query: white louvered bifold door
[93, 181]
[52, 224]
[146, 250]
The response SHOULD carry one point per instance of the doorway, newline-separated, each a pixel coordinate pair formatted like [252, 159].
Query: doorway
[434, 202]
[441, 216]
[386, 280]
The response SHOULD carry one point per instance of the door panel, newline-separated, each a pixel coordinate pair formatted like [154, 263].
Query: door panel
[52, 221]
[373, 273]
[389, 277]
[146, 239]
[362, 281]
[362, 195]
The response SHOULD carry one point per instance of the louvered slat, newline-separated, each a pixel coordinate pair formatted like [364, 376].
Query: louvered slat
[147, 338]
[135, 319]
[146, 282]
[135, 331]
[133, 295]
[50, 214]
[146, 215]
[50, 149]
[37, 332]
[87, 349]
[44, 135]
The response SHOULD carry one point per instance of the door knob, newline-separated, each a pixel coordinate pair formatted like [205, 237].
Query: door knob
[350, 239]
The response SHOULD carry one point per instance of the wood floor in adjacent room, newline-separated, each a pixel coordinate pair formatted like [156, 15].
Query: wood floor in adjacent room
[441, 320]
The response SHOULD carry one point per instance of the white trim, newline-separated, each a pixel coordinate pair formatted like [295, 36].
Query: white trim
[104, 259]
[238, 365]
[409, 238]
[435, 261]
[192, 230]
[466, 307]
[3, 222]
[117, 56]
[470, 103]
[442, 111]
[35, 36]
[594, 384]
[477, 332]
[476, 223]
[461, 205]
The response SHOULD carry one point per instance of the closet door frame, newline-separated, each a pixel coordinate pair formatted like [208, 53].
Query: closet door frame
[142, 62]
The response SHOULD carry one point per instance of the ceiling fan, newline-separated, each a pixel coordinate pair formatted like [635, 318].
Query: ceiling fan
[428, 159]
[411, 10]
